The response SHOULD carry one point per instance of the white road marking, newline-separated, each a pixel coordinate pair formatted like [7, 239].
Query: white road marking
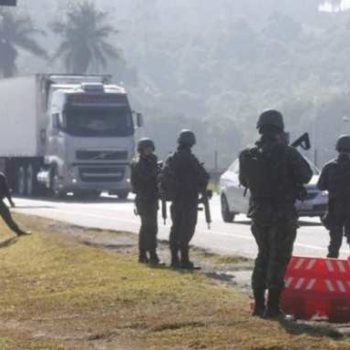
[136, 222]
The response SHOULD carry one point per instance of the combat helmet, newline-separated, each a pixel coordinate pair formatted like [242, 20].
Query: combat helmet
[187, 137]
[343, 143]
[271, 117]
[144, 143]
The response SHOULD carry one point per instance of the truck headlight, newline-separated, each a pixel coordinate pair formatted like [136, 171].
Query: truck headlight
[324, 193]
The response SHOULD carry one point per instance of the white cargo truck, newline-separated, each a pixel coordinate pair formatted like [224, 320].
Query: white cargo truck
[66, 134]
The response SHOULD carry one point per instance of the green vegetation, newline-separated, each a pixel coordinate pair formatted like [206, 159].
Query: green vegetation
[17, 32]
[211, 66]
[85, 34]
[58, 293]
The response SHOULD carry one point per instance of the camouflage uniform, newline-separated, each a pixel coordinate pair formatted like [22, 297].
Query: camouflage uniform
[335, 178]
[191, 178]
[4, 210]
[144, 182]
[274, 185]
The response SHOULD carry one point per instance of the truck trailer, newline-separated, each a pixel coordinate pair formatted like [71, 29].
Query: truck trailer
[63, 134]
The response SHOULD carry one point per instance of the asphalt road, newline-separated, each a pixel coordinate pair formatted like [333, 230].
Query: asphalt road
[223, 238]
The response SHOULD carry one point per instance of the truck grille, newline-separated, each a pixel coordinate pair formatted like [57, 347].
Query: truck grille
[102, 155]
[101, 174]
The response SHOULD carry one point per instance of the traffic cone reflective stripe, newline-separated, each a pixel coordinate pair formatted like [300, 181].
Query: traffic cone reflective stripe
[341, 265]
[330, 286]
[299, 283]
[299, 263]
[341, 286]
[311, 284]
[329, 265]
[311, 264]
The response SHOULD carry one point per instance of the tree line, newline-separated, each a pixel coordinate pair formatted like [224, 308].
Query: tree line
[83, 39]
[209, 66]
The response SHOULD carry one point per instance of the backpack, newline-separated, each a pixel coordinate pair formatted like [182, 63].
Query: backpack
[167, 182]
[135, 185]
[265, 172]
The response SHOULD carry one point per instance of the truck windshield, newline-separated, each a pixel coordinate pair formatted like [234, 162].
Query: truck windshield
[99, 121]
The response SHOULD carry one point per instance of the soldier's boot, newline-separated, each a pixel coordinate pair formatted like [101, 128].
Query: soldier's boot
[143, 258]
[335, 244]
[186, 263]
[259, 305]
[154, 258]
[333, 253]
[175, 261]
[273, 310]
[21, 232]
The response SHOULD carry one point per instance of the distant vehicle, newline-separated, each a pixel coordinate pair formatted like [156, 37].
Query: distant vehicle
[233, 201]
[66, 133]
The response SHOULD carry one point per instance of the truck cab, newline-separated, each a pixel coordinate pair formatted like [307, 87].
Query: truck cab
[89, 140]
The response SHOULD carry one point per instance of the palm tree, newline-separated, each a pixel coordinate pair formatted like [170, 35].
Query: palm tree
[16, 32]
[336, 4]
[85, 33]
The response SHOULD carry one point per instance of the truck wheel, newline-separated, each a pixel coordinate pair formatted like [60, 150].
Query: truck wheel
[123, 194]
[55, 190]
[227, 216]
[21, 181]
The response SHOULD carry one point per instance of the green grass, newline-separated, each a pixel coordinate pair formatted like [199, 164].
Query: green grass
[57, 293]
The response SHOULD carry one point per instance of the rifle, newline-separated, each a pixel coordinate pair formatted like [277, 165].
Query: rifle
[303, 141]
[206, 195]
[162, 194]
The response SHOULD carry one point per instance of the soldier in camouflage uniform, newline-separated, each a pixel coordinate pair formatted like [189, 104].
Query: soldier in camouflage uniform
[4, 210]
[189, 179]
[335, 178]
[144, 172]
[274, 173]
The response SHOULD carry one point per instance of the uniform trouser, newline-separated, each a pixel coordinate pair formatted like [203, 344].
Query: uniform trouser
[149, 226]
[275, 246]
[337, 221]
[7, 217]
[336, 234]
[184, 216]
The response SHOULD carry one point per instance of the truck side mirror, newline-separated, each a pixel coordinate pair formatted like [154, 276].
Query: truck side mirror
[139, 120]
